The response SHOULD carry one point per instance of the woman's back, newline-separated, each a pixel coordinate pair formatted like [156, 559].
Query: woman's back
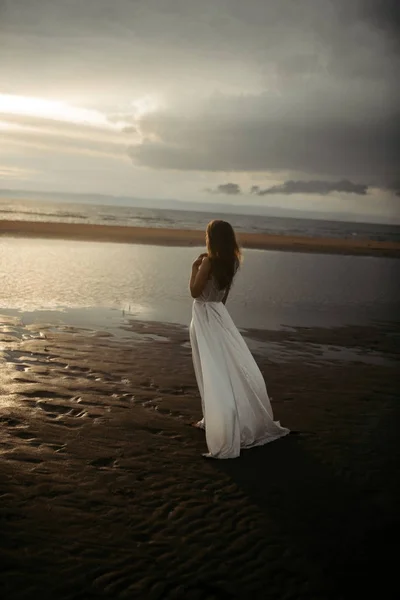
[211, 293]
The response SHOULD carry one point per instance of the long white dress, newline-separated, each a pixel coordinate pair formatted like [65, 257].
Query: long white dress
[237, 411]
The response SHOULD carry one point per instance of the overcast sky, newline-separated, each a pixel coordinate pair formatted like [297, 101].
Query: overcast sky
[290, 103]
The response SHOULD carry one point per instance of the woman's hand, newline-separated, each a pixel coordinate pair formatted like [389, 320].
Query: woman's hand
[198, 261]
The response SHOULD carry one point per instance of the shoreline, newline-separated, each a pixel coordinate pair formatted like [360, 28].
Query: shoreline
[187, 238]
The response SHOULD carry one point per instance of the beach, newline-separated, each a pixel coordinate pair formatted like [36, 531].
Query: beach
[247, 154]
[105, 494]
[185, 237]
[103, 488]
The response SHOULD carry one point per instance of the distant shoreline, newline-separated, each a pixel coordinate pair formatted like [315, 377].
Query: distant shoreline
[187, 238]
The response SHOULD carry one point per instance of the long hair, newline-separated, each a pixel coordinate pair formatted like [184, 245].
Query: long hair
[223, 251]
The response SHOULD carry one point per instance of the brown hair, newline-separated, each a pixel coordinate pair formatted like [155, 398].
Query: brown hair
[223, 251]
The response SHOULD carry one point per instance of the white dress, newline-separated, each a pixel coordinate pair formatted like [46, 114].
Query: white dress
[237, 411]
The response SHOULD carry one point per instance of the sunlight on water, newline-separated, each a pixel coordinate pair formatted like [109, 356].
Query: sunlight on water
[151, 283]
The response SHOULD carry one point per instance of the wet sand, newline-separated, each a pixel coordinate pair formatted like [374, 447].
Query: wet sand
[183, 237]
[104, 492]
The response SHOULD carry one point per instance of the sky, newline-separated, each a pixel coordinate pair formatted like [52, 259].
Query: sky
[277, 103]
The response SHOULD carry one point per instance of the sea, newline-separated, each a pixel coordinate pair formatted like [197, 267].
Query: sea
[99, 284]
[102, 286]
[27, 210]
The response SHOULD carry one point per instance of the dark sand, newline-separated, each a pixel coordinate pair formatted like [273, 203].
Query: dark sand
[185, 237]
[104, 492]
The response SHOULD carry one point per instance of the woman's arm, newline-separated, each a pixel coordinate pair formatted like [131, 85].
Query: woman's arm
[200, 273]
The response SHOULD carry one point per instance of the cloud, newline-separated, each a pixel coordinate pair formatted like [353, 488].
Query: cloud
[395, 187]
[260, 134]
[49, 126]
[73, 145]
[108, 137]
[200, 46]
[17, 173]
[231, 189]
[299, 90]
[321, 188]
[385, 15]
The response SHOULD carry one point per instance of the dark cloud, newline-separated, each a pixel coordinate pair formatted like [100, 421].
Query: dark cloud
[395, 187]
[310, 139]
[385, 15]
[313, 187]
[319, 187]
[309, 89]
[231, 189]
[266, 41]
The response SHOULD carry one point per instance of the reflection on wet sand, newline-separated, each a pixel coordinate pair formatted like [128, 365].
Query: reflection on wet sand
[104, 490]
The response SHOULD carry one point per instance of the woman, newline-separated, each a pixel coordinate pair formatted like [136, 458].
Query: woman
[237, 412]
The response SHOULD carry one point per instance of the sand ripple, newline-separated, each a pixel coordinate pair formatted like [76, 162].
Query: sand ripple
[104, 493]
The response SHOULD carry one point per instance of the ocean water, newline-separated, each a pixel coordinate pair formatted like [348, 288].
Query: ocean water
[101, 285]
[177, 219]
